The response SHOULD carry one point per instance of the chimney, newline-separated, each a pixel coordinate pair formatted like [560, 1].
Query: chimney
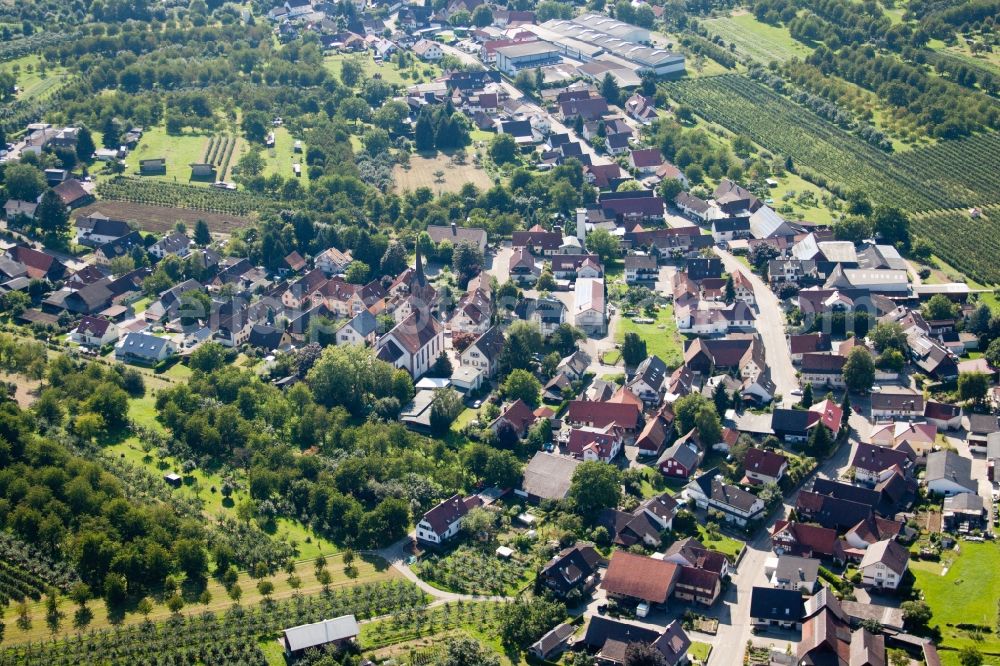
[581, 226]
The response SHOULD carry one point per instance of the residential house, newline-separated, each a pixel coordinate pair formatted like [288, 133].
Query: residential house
[738, 506]
[641, 269]
[872, 530]
[37, 265]
[656, 433]
[455, 235]
[771, 607]
[643, 525]
[573, 568]
[361, 330]
[484, 353]
[600, 444]
[94, 332]
[428, 50]
[547, 313]
[171, 244]
[574, 266]
[949, 473]
[443, 522]
[121, 247]
[413, 344]
[872, 463]
[333, 262]
[690, 552]
[806, 541]
[649, 380]
[522, 268]
[795, 573]
[694, 208]
[792, 425]
[891, 403]
[537, 240]
[884, 564]
[724, 229]
[698, 586]
[96, 229]
[625, 415]
[822, 370]
[641, 108]
[828, 637]
[608, 639]
[681, 460]
[763, 466]
[518, 416]
[575, 365]
[143, 348]
[942, 415]
[963, 512]
[268, 338]
[980, 427]
[808, 343]
[72, 193]
[637, 579]
[553, 642]
[645, 161]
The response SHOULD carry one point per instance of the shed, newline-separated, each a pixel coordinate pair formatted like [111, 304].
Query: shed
[173, 479]
[337, 631]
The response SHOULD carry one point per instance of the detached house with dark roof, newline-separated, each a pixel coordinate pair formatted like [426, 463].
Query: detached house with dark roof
[95, 332]
[574, 568]
[97, 229]
[738, 506]
[145, 349]
[120, 247]
[762, 466]
[444, 521]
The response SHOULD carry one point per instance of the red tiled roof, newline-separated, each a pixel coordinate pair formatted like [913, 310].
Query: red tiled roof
[601, 414]
[640, 577]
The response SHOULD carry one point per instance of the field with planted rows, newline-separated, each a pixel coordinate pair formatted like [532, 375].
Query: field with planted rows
[948, 175]
[970, 245]
[158, 193]
[759, 41]
[207, 638]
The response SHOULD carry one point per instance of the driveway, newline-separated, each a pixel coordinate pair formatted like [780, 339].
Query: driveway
[771, 327]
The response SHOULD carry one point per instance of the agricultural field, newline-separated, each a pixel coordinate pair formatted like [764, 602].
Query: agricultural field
[216, 633]
[423, 172]
[948, 175]
[970, 245]
[222, 153]
[974, 578]
[32, 84]
[136, 190]
[161, 219]
[390, 72]
[279, 159]
[469, 570]
[661, 336]
[180, 151]
[759, 41]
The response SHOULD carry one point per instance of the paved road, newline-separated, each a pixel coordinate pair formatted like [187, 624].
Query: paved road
[771, 326]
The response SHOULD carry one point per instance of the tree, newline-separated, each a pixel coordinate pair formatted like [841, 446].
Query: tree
[255, 126]
[546, 281]
[468, 652]
[888, 335]
[610, 90]
[145, 607]
[916, 614]
[175, 603]
[720, 398]
[527, 619]
[892, 226]
[250, 165]
[670, 188]
[807, 396]
[603, 244]
[633, 349]
[643, 654]
[357, 272]
[442, 366]
[859, 370]
[819, 441]
[80, 594]
[523, 340]
[85, 145]
[939, 307]
[266, 588]
[595, 486]
[522, 385]
[503, 147]
[115, 589]
[445, 408]
[23, 181]
[973, 387]
[853, 229]
[351, 376]
[730, 289]
[394, 259]
[53, 218]
[351, 71]
[466, 262]
[202, 235]
[191, 558]
[970, 656]
[992, 353]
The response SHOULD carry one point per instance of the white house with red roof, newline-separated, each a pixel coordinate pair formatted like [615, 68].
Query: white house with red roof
[762, 466]
[413, 344]
[444, 521]
[830, 414]
[600, 444]
[95, 332]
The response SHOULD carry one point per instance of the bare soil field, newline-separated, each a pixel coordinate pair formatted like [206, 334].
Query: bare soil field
[160, 219]
[421, 170]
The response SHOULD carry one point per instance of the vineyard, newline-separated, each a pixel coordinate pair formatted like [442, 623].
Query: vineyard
[924, 179]
[226, 639]
[219, 153]
[970, 245]
[136, 190]
[24, 571]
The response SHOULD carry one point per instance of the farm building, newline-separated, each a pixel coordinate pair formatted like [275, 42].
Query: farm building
[151, 167]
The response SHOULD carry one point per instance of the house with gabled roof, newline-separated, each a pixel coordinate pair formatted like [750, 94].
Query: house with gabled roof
[649, 380]
[871, 530]
[806, 540]
[573, 568]
[443, 522]
[120, 247]
[738, 506]
[589, 444]
[681, 459]
[949, 473]
[96, 229]
[639, 579]
[94, 332]
[547, 476]
[38, 265]
[361, 330]
[484, 353]
[884, 564]
[873, 463]
[763, 466]
[625, 415]
[143, 348]
[776, 607]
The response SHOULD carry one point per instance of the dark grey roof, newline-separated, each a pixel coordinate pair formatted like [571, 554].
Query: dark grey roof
[772, 604]
[653, 371]
[797, 569]
[548, 475]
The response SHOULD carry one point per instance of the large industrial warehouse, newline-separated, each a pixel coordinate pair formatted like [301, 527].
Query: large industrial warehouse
[526, 55]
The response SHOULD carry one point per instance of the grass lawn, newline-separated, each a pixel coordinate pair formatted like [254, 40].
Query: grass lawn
[33, 84]
[369, 570]
[422, 170]
[760, 41]
[656, 484]
[390, 72]
[795, 185]
[967, 593]
[178, 150]
[699, 651]
[465, 418]
[725, 545]
[279, 159]
[661, 337]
